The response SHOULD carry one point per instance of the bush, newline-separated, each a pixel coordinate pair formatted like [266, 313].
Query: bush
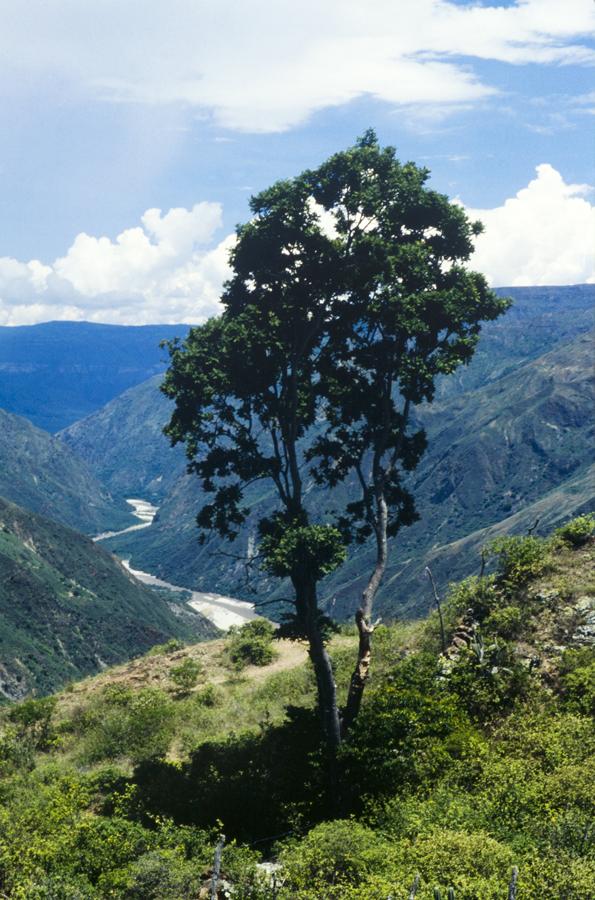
[171, 646]
[186, 675]
[577, 680]
[125, 723]
[519, 558]
[409, 731]
[487, 678]
[333, 857]
[578, 531]
[251, 645]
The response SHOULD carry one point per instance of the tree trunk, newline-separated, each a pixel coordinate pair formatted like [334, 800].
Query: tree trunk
[308, 615]
[363, 618]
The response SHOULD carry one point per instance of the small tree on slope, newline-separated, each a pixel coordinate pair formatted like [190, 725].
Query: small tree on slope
[348, 297]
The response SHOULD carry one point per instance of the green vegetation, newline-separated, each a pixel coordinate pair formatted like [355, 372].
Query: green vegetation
[252, 644]
[39, 472]
[578, 531]
[67, 607]
[460, 766]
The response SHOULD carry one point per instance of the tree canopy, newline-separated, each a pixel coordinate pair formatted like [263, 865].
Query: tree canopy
[349, 296]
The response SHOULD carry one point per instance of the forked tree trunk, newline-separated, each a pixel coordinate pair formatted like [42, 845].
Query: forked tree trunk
[363, 620]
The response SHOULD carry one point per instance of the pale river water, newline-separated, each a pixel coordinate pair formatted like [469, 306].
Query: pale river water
[221, 611]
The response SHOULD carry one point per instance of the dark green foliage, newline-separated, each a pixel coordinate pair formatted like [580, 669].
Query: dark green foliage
[411, 729]
[519, 558]
[260, 786]
[252, 644]
[317, 549]
[577, 677]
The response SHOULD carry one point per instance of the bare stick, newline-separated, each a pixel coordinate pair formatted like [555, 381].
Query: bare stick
[217, 866]
[414, 888]
[512, 886]
[439, 607]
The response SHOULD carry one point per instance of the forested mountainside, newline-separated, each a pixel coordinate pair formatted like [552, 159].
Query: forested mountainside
[493, 453]
[38, 471]
[470, 760]
[58, 372]
[69, 608]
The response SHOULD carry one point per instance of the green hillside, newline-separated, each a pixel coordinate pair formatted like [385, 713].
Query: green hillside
[68, 608]
[470, 759]
[124, 445]
[38, 471]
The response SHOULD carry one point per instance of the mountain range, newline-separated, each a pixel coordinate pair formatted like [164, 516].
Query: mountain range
[58, 372]
[508, 435]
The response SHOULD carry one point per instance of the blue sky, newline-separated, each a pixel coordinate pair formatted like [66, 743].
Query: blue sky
[182, 109]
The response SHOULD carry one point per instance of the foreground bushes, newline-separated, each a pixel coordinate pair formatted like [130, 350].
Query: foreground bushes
[461, 764]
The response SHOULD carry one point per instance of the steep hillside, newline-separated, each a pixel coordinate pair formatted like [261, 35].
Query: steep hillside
[492, 454]
[58, 372]
[124, 444]
[68, 608]
[38, 471]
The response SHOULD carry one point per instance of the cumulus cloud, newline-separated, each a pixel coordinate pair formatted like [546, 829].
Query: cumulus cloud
[543, 235]
[167, 269]
[263, 66]
[172, 266]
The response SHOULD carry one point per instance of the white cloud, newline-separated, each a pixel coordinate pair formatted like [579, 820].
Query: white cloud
[543, 235]
[165, 270]
[266, 66]
[172, 266]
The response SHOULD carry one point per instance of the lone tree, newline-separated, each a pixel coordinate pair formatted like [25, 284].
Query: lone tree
[348, 298]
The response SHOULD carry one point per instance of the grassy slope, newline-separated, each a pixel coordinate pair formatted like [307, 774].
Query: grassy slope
[247, 699]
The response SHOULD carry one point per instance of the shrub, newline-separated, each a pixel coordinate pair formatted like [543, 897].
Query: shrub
[332, 857]
[577, 680]
[171, 646]
[475, 865]
[519, 558]
[186, 675]
[487, 678]
[409, 731]
[137, 724]
[578, 531]
[252, 644]
[33, 721]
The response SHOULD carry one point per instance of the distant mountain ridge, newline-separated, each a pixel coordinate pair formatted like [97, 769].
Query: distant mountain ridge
[58, 372]
[504, 433]
[68, 608]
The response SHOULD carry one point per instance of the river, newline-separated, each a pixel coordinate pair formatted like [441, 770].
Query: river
[221, 611]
